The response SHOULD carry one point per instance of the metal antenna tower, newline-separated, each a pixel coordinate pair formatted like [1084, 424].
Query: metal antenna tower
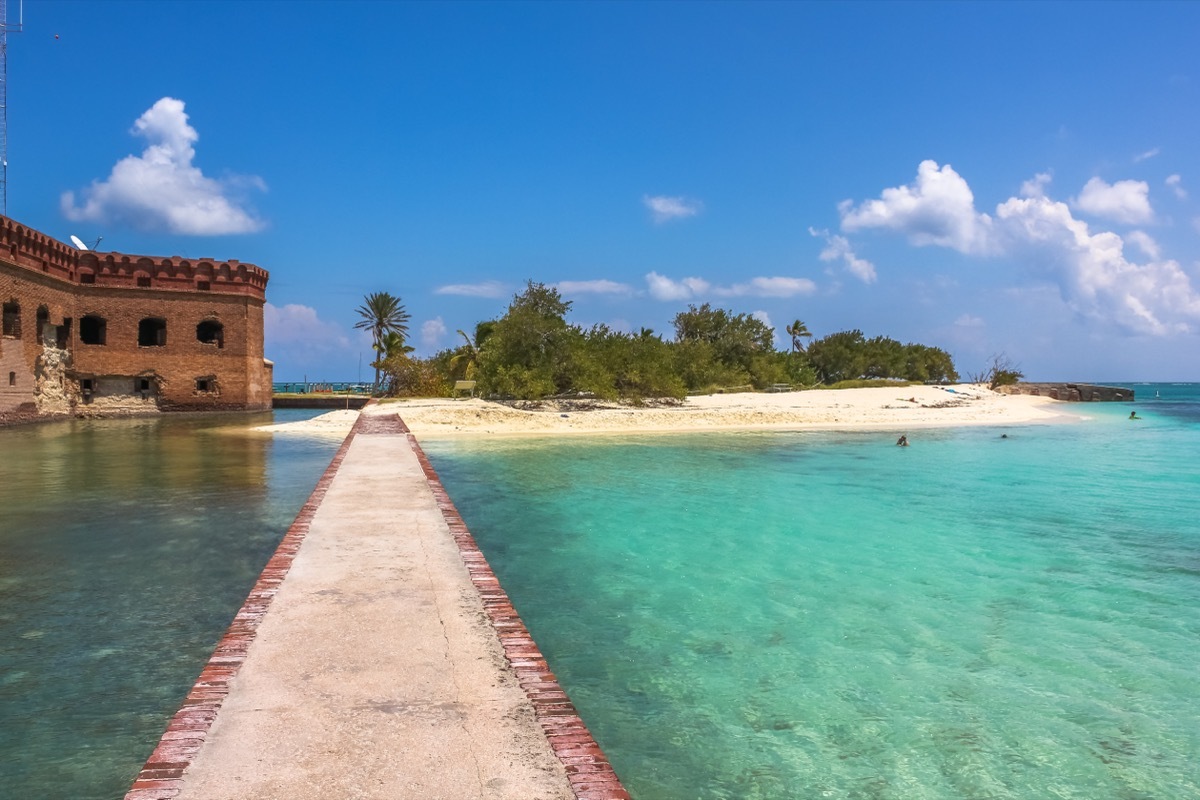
[5, 28]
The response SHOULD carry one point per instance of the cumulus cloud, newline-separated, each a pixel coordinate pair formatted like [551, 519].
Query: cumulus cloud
[1036, 186]
[594, 287]
[936, 209]
[1175, 183]
[664, 209]
[1093, 272]
[432, 331]
[661, 287]
[162, 190]
[1123, 201]
[1144, 242]
[484, 289]
[838, 248]
[296, 331]
[1151, 153]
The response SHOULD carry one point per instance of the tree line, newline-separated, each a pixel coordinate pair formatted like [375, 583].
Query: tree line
[533, 352]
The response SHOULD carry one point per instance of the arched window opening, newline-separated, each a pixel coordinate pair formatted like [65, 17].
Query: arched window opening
[12, 319]
[211, 332]
[152, 332]
[93, 329]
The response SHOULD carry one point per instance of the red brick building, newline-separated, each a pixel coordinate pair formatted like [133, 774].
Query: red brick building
[89, 334]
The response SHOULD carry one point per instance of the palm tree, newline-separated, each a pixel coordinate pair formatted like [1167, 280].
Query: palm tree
[382, 314]
[468, 354]
[798, 331]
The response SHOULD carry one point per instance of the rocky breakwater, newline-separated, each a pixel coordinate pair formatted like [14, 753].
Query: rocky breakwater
[1072, 392]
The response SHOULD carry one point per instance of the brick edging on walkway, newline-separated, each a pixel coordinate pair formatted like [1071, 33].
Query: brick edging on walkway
[588, 770]
[161, 777]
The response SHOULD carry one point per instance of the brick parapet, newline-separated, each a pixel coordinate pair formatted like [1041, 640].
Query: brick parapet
[36, 252]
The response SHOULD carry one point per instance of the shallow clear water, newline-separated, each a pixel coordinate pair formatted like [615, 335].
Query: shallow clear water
[770, 615]
[126, 547]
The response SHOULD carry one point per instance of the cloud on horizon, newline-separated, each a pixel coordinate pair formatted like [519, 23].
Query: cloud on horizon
[297, 332]
[484, 289]
[1093, 274]
[432, 331]
[162, 190]
[665, 209]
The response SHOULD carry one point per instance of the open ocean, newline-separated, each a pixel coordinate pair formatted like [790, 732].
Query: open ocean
[736, 615]
[804, 615]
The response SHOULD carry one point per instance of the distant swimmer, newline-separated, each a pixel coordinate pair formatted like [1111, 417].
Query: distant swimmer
[902, 441]
[1004, 436]
[1133, 415]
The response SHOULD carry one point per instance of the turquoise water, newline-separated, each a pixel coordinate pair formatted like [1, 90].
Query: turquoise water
[126, 547]
[774, 615]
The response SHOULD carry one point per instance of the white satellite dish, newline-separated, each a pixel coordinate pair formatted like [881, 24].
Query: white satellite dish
[75, 240]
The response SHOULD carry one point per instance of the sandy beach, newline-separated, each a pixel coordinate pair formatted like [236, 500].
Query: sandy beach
[892, 408]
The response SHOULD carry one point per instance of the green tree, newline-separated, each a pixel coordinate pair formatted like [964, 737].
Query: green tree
[734, 339]
[382, 313]
[839, 356]
[528, 351]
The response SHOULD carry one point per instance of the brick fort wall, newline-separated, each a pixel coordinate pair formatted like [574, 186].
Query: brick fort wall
[90, 334]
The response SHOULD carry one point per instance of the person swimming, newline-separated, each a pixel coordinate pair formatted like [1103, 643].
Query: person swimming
[1133, 415]
[902, 441]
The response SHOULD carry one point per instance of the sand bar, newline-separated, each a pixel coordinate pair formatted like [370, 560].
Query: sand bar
[892, 408]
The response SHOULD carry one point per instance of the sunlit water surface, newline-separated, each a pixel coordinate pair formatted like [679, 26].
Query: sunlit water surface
[126, 547]
[775, 615]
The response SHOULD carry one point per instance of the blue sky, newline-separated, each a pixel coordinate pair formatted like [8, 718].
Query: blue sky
[1011, 177]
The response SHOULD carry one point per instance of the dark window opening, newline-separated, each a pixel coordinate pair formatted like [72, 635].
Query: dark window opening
[87, 277]
[211, 332]
[12, 379]
[143, 282]
[93, 329]
[12, 320]
[202, 286]
[143, 384]
[152, 332]
[62, 334]
[43, 320]
[203, 384]
[86, 388]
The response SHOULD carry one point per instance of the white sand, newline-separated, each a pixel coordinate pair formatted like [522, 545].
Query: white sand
[893, 408]
[898, 409]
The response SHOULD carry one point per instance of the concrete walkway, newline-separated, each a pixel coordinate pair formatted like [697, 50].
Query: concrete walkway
[377, 671]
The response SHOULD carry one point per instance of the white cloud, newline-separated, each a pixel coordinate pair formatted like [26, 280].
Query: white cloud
[594, 287]
[1094, 274]
[299, 334]
[838, 247]
[1151, 153]
[664, 209]
[768, 287]
[1123, 201]
[432, 331]
[936, 209]
[484, 289]
[1176, 185]
[162, 190]
[968, 321]
[1144, 242]
[1036, 186]
[664, 288]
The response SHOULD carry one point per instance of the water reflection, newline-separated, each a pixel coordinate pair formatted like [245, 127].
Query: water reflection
[126, 546]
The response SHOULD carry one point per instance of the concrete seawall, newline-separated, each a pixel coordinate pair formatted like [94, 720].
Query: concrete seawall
[377, 657]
